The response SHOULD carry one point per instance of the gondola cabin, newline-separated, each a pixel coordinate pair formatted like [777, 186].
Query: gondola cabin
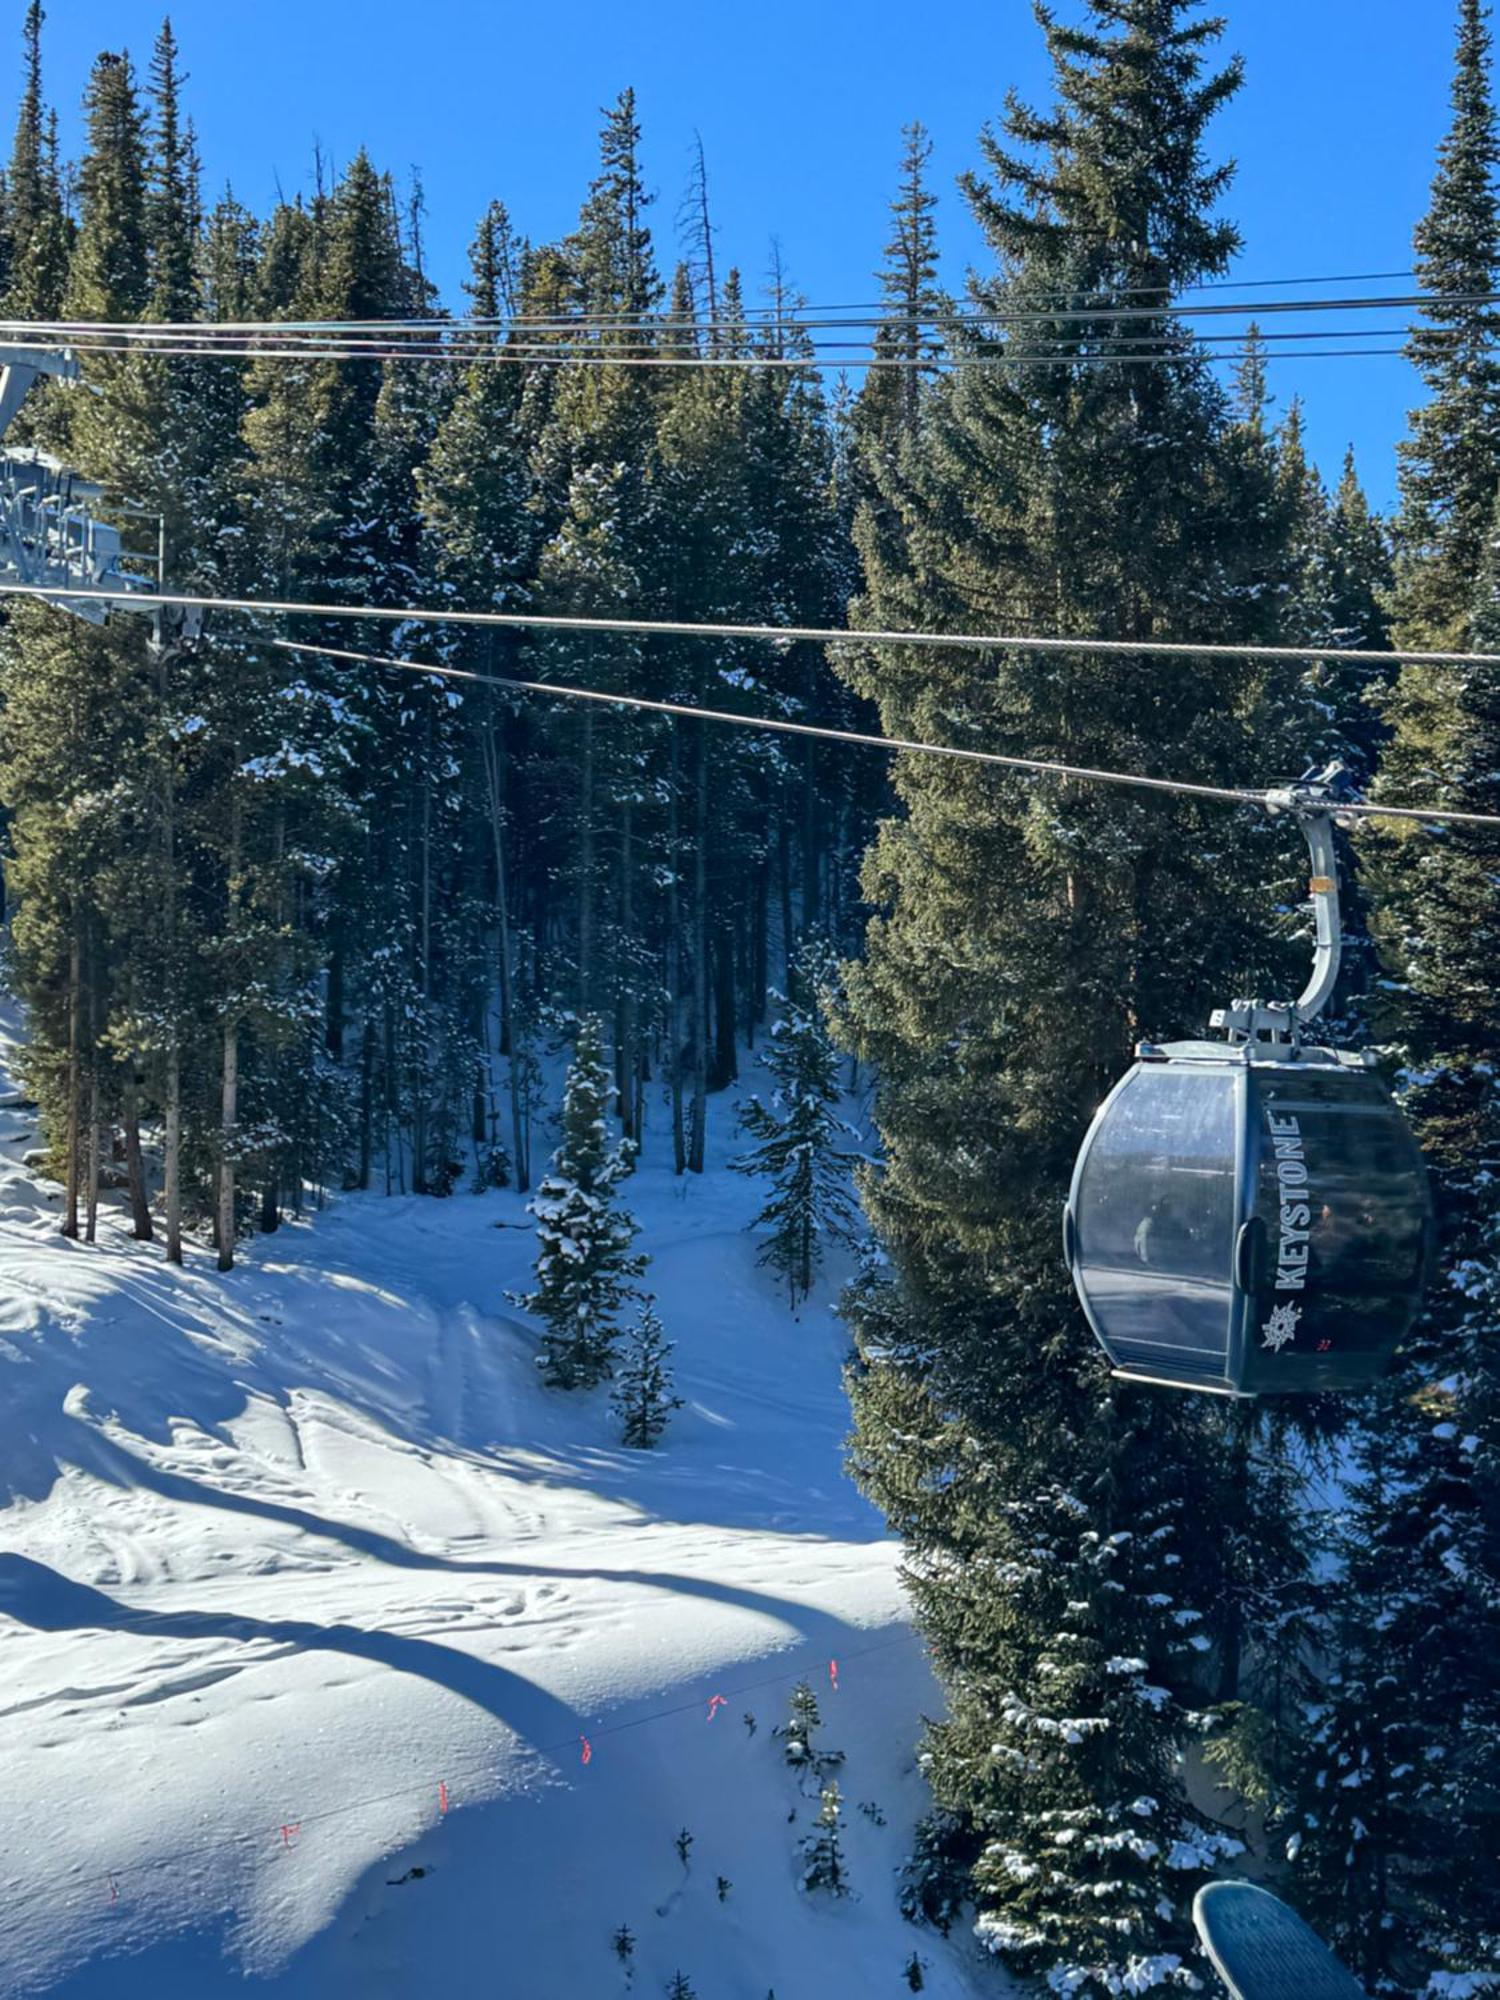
[1249, 1218]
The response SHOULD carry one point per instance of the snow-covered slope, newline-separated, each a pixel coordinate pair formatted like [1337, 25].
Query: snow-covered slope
[293, 1559]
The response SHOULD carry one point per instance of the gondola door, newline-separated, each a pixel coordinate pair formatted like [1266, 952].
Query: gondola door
[1341, 1234]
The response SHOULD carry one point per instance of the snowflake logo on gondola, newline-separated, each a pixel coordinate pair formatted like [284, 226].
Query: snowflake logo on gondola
[1281, 1328]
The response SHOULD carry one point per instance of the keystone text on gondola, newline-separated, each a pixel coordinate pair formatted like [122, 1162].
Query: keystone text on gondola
[1296, 1212]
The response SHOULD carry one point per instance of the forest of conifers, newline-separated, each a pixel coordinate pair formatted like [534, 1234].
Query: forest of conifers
[310, 922]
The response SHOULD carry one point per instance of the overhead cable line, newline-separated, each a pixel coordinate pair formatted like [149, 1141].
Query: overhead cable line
[1037, 766]
[560, 357]
[451, 344]
[792, 635]
[784, 635]
[979, 317]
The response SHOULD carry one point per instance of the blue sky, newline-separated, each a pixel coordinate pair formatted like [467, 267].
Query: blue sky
[800, 105]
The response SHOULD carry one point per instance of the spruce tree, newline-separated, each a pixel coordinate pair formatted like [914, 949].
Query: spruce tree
[1027, 935]
[823, 1865]
[584, 1269]
[108, 276]
[38, 237]
[803, 1719]
[642, 1397]
[1364, 1838]
[1437, 925]
[798, 1135]
[1449, 470]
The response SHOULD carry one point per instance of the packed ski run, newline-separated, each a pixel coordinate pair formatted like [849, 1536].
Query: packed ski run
[308, 1548]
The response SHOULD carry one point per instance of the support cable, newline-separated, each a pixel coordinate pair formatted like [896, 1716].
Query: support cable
[1428, 303]
[781, 635]
[1272, 799]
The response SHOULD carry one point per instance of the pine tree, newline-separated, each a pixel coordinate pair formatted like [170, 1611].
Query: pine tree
[822, 1851]
[584, 1268]
[889, 405]
[37, 231]
[642, 1397]
[1027, 935]
[1405, 1756]
[108, 276]
[797, 1732]
[1449, 470]
[679, 1988]
[1366, 1866]
[797, 1135]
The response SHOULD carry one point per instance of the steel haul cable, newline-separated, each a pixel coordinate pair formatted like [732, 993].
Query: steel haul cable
[820, 635]
[783, 635]
[978, 317]
[1039, 766]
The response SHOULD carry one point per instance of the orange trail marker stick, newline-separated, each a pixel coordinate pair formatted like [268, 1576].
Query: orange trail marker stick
[833, 1675]
[442, 1798]
[587, 1756]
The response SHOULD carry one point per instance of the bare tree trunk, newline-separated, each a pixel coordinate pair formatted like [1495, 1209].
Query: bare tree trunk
[366, 1100]
[75, 1085]
[812, 911]
[333, 1020]
[172, 1133]
[510, 1039]
[760, 954]
[135, 1166]
[91, 1181]
[586, 867]
[697, 1140]
[228, 1112]
[172, 1156]
[630, 1055]
[674, 955]
[726, 1060]
[424, 1053]
[784, 875]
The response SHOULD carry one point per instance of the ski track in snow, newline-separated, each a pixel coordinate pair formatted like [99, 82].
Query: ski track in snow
[292, 1546]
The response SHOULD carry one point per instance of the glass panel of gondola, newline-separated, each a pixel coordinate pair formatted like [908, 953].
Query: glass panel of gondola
[1155, 1224]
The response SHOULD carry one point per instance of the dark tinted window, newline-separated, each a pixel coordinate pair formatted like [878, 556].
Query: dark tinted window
[1342, 1192]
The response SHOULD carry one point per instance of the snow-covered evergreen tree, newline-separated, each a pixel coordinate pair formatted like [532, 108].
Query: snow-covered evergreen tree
[642, 1397]
[1449, 467]
[823, 1849]
[585, 1269]
[1366, 1850]
[799, 1134]
[797, 1731]
[1026, 936]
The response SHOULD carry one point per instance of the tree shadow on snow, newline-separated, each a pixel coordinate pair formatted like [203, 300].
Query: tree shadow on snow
[44, 1599]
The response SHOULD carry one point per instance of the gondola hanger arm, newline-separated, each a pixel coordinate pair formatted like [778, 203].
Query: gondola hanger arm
[1314, 802]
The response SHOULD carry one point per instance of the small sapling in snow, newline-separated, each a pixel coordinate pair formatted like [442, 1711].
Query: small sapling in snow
[822, 1851]
[642, 1397]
